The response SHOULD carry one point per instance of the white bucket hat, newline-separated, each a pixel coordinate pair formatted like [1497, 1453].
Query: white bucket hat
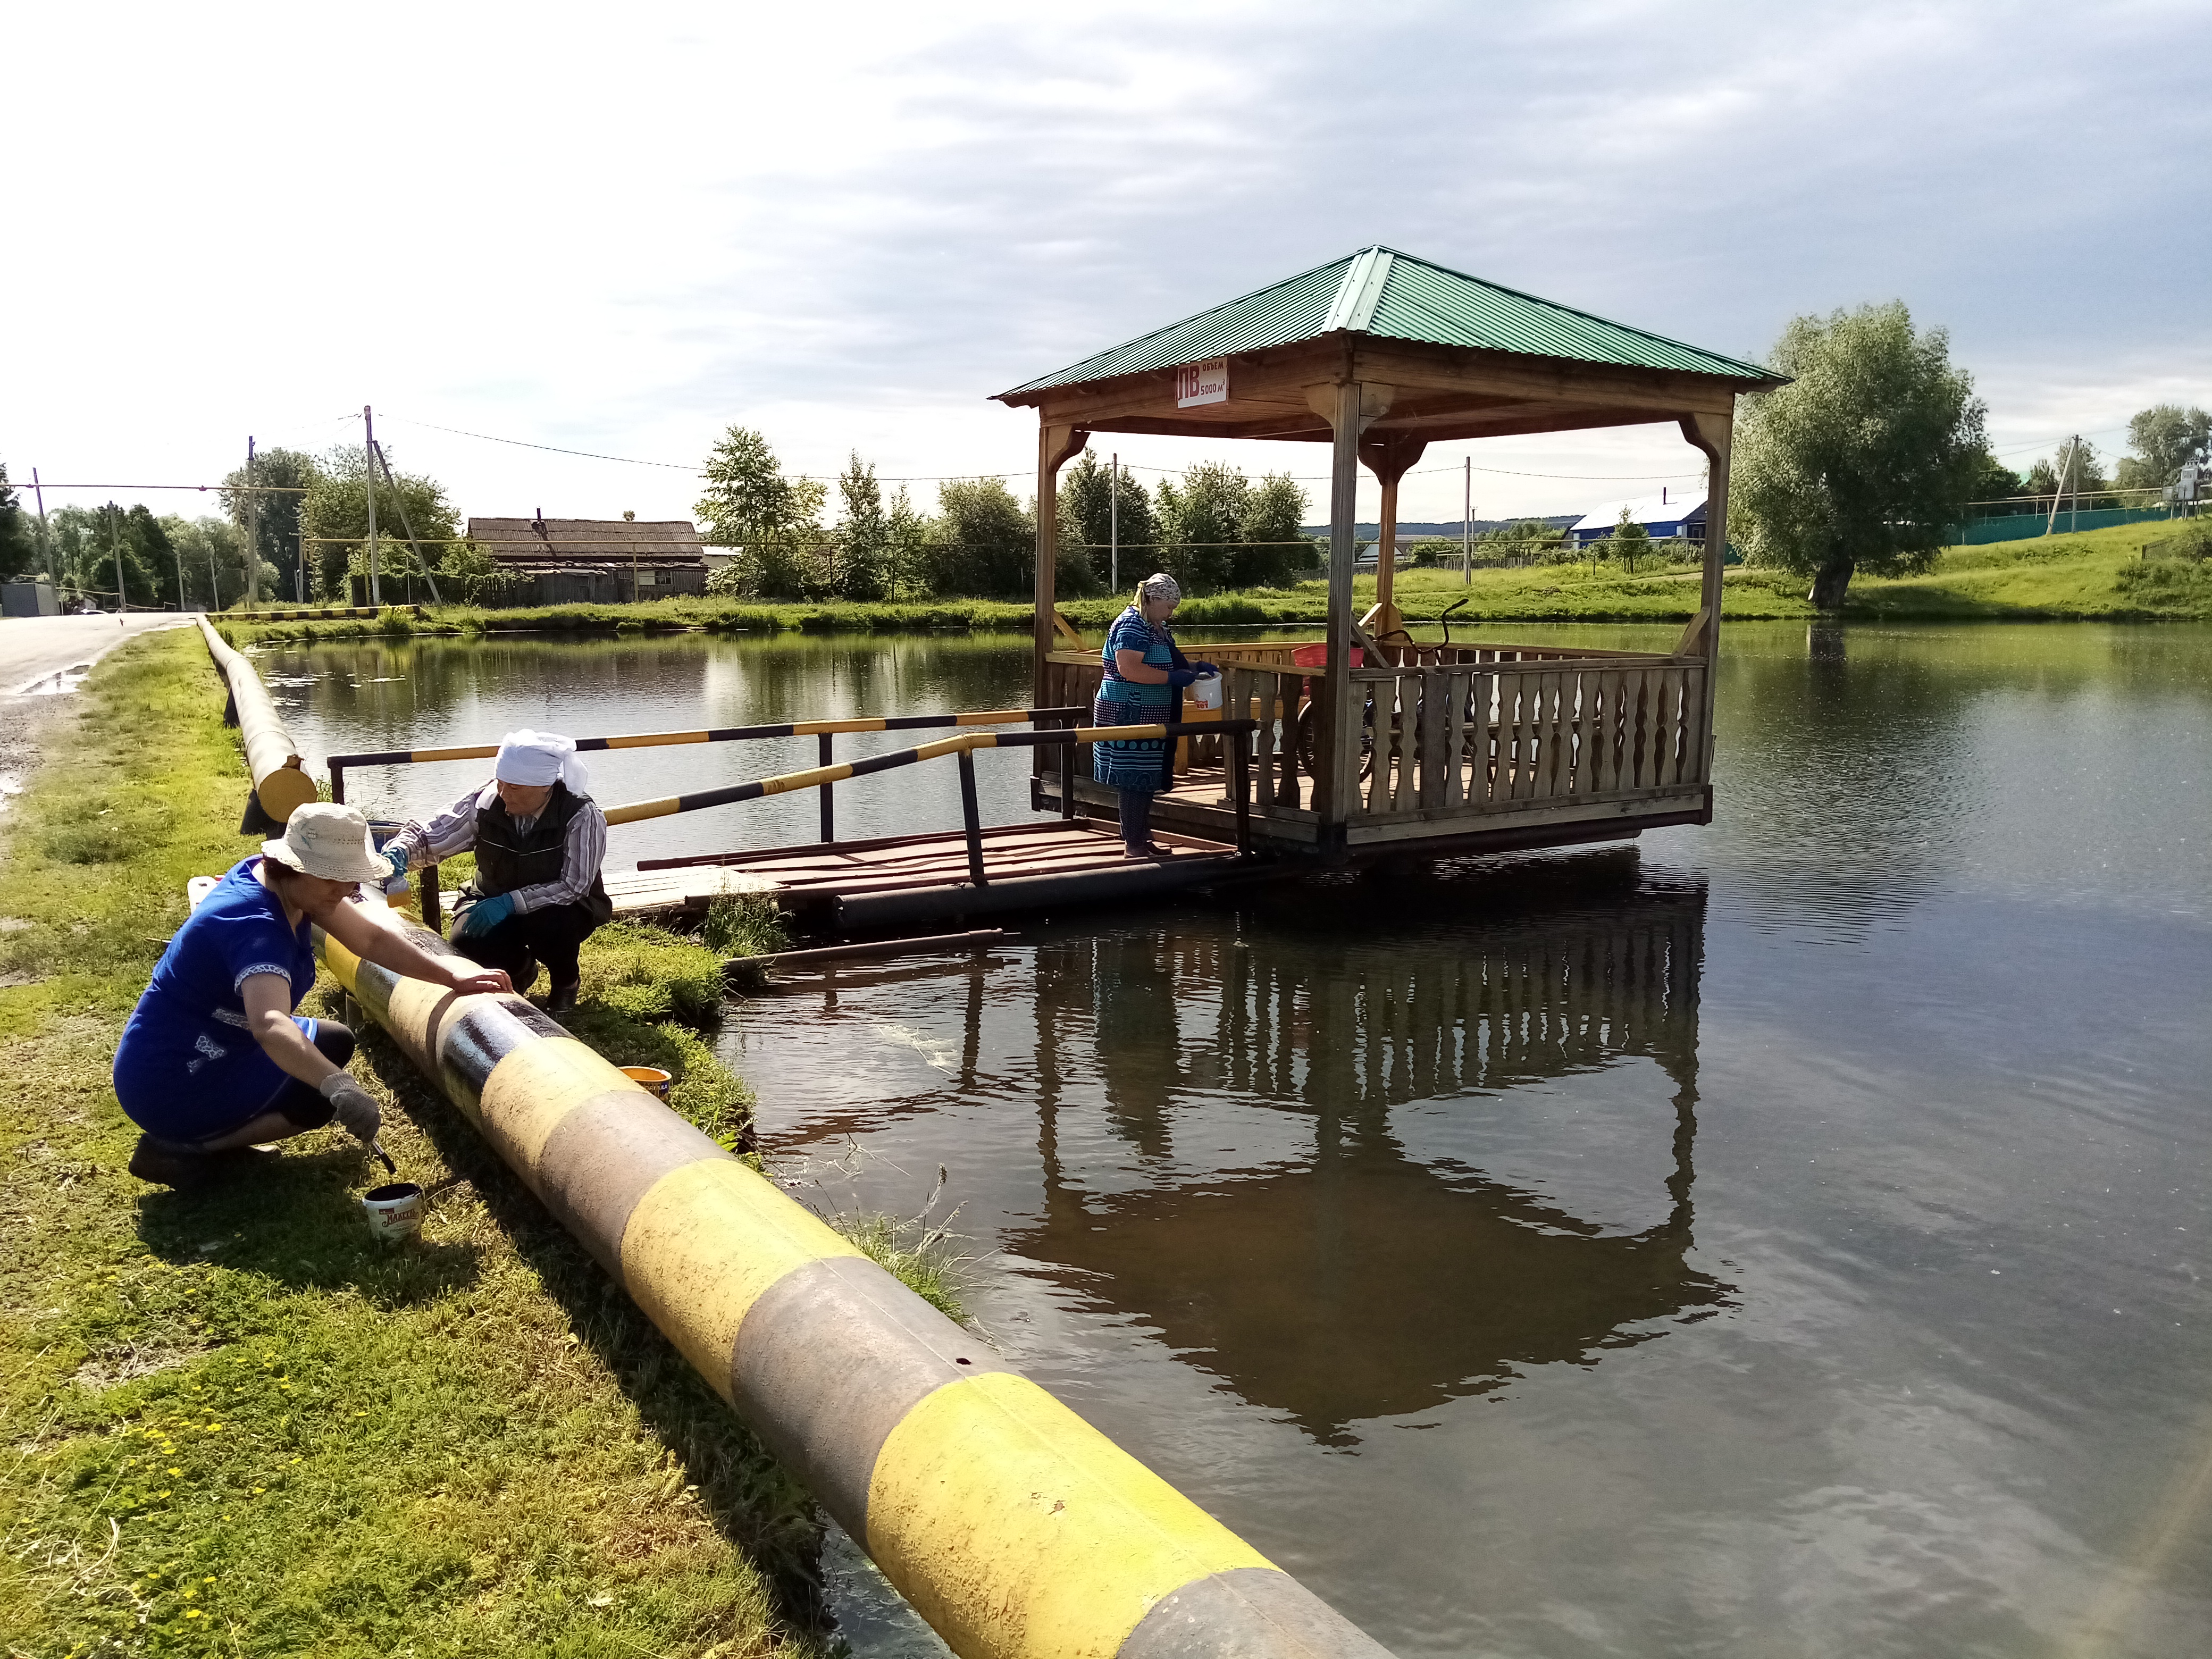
[324, 839]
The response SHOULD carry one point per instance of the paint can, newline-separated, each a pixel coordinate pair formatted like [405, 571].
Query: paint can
[394, 1211]
[651, 1079]
[1206, 693]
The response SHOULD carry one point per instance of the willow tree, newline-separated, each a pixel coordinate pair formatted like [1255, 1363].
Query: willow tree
[1863, 461]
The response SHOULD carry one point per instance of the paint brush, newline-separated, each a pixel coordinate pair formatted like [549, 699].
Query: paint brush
[389, 1168]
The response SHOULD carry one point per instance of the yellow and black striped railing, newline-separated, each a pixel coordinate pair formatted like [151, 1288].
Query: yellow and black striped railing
[1016, 1528]
[824, 730]
[962, 748]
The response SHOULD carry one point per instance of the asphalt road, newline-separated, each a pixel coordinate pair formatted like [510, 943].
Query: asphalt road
[34, 649]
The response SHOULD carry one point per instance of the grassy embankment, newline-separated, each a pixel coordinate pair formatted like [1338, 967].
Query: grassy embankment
[2093, 575]
[237, 1426]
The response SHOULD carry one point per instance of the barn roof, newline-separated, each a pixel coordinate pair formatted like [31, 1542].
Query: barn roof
[517, 541]
[1391, 295]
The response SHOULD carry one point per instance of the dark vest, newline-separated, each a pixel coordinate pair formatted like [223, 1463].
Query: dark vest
[508, 858]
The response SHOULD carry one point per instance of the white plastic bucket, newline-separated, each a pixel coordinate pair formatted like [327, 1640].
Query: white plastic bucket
[395, 1211]
[1206, 693]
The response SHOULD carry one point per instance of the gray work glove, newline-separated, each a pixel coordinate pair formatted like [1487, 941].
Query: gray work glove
[354, 1106]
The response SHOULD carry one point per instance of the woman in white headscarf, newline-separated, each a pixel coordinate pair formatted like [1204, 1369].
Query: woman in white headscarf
[539, 840]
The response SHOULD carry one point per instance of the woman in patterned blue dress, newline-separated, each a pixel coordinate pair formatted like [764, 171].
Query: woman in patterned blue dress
[1142, 686]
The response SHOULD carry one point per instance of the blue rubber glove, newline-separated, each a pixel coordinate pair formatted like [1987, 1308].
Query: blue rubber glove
[1183, 676]
[483, 915]
[1206, 670]
[395, 855]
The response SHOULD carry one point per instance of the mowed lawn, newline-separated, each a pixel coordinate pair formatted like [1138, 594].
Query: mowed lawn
[2093, 575]
[235, 1424]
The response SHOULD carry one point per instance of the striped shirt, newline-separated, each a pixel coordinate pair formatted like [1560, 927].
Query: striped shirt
[454, 830]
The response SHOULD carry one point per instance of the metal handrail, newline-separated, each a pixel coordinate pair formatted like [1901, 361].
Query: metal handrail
[1067, 739]
[823, 729]
[963, 747]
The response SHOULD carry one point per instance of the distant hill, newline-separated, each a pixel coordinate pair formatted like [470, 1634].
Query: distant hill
[1368, 531]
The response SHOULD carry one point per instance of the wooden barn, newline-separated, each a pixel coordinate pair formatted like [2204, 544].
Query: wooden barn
[603, 560]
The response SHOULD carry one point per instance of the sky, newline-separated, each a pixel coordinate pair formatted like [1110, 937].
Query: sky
[622, 229]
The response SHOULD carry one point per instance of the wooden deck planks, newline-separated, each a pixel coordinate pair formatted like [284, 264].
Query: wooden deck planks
[813, 874]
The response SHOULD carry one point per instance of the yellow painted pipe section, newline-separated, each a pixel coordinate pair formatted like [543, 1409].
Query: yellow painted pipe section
[531, 1089]
[272, 760]
[1016, 1528]
[705, 1243]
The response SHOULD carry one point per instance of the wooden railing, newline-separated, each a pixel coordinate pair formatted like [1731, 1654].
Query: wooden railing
[1483, 738]
[1488, 730]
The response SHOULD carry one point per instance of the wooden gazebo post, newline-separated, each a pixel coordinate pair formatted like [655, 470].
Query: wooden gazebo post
[1715, 435]
[1348, 406]
[1389, 458]
[1056, 447]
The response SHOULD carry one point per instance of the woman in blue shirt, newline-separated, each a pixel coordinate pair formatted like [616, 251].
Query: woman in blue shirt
[1145, 674]
[213, 1061]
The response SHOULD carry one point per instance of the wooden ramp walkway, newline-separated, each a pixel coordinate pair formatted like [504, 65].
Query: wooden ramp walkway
[905, 881]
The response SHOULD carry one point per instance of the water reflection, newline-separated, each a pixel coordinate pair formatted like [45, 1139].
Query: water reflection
[1273, 1140]
[1362, 1281]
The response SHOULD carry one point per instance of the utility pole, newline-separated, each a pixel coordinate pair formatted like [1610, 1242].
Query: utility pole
[1113, 522]
[2058, 485]
[253, 525]
[368, 477]
[178, 554]
[115, 545]
[376, 451]
[1467, 529]
[45, 546]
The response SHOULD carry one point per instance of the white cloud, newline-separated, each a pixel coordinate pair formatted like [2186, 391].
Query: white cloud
[850, 225]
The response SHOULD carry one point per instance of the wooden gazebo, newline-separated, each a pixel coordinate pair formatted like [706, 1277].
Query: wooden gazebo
[1386, 743]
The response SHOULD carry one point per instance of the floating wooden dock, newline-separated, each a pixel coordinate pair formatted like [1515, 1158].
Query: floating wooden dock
[908, 881]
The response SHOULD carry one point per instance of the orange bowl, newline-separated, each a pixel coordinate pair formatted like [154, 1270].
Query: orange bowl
[649, 1076]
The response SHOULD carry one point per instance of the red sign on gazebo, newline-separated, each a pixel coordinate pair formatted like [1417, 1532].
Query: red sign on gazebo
[1202, 383]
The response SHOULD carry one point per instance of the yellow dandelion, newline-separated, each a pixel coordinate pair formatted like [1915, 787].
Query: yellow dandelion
[191, 1592]
[176, 1471]
[161, 1494]
[192, 1612]
[210, 1579]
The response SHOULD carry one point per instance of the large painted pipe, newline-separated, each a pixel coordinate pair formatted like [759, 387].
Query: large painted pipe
[272, 758]
[1016, 1529]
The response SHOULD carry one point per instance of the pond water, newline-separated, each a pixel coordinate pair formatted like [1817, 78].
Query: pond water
[1786, 1235]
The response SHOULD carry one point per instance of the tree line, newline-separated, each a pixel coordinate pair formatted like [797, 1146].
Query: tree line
[1212, 529]
[306, 517]
[1866, 460]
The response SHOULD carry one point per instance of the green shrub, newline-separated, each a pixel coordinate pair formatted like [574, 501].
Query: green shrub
[923, 1258]
[646, 973]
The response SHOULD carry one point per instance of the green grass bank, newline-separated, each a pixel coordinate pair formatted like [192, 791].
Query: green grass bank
[2093, 575]
[235, 1424]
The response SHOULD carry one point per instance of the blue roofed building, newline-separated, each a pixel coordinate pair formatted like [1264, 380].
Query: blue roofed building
[1666, 516]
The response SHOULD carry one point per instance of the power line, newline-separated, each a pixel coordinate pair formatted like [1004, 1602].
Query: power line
[551, 449]
[961, 477]
[227, 489]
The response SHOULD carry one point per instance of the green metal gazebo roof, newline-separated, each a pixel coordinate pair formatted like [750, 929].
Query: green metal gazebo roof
[1391, 295]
